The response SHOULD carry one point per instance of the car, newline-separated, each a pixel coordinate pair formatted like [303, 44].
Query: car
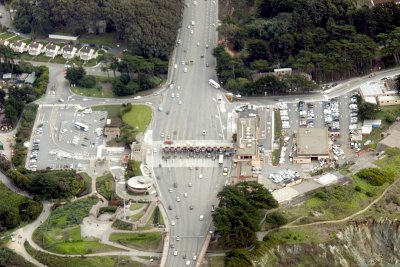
[179, 41]
[212, 208]
[198, 44]
[177, 238]
[178, 199]
[201, 217]
[170, 190]
[190, 184]
[175, 185]
[191, 31]
[204, 132]
[175, 253]
[169, 207]
[180, 102]
[137, 97]
[178, 87]
[172, 95]
[172, 223]
[192, 22]
[159, 108]
[187, 263]
[200, 176]
[176, 66]
[194, 257]
[191, 207]
[188, 27]
[207, 65]
[61, 100]
[177, 95]
[225, 171]
[185, 194]
[172, 245]
[155, 150]
[207, 46]
[162, 134]
[177, 217]
[185, 70]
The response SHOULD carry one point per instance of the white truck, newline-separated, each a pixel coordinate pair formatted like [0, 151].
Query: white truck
[221, 160]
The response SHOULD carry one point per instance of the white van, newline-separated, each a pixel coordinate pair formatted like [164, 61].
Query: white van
[201, 217]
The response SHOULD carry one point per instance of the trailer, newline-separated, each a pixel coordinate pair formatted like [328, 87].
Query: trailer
[221, 160]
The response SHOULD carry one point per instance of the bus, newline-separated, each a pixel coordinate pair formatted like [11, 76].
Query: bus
[214, 84]
[221, 160]
[81, 126]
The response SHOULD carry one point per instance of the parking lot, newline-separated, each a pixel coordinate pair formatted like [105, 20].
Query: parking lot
[67, 140]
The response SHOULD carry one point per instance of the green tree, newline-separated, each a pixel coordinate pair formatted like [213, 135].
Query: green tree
[75, 74]
[367, 111]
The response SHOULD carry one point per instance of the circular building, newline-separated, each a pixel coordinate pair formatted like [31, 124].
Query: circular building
[139, 184]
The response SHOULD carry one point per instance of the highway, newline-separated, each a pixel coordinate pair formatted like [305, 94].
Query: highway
[198, 111]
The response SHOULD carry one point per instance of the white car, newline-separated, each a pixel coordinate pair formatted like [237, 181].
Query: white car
[177, 95]
[172, 95]
[178, 199]
[162, 134]
[185, 70]
[191, 31]
[180, 102]
[190, 184]
[185, 195]
[176, 66]
[172, 223]
[192, 22]
[200, 176]
[204, 132]
[160, 108]
[137, 97]
[179, 87]
[155, 150]
[187, 263]
[201, 217]
[198, 44]
[175, 253]
[170, 190]
[194, 257]
[179, 41]
[177, 238]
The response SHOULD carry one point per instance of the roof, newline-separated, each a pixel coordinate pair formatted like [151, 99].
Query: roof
[392, 140]
[69, 48]
[326, 179]
[377, 2]
[2, 41]
[283, 69]
[371, 89]
[34, 45]
[19, 43]
[31, 78]
[52, 46]
[312, 141]
[371, 99]
[246, 132]
[285, 194]
[86, 49]
[7, 76]
[140, 182]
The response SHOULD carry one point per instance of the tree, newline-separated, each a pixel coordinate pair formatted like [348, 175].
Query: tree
[75, 74]
[87, 81]
[367, 110]
[276, 218]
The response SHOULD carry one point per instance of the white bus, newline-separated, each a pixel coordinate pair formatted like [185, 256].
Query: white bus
[214, 83]
[81, 126]
[221, 160]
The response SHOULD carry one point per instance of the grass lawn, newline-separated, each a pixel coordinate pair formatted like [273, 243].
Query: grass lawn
[59, 60]
[136, 206]
[60, 233]
[42, 58]
[121, 225]
[215, 261]
[112, 110]
[137, 216]
[26, 56]
[141, 241]
[277, 135]
[88, 181]
[55, 261]
[139, 117]
[340, 201]
[107, 39]
[92, 92]
[136, 167]
[5, 35]
[391, 161]
[106, 187]
[18, 38]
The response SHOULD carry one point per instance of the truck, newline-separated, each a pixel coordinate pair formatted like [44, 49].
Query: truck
[221, 160]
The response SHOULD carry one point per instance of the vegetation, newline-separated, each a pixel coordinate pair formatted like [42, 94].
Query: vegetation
[329, 40]
[23, 135]
[121, 225]
[104, 261]
[58, 184]
[138, 117]
[150, 241]
[375, 176]
[9, 258]
[16, 209]
[78, 76]
[60, 233]
[133, 168]
[367, 111]
[276, 218]
[148, 27]
[106, 187]
[236, 217]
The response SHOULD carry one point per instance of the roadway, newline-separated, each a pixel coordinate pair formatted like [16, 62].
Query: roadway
[198, 111]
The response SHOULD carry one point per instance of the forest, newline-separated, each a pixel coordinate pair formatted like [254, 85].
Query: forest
[327, 39]
[148, 27]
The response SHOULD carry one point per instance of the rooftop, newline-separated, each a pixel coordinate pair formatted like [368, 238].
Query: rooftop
[371, 89]
[246, 132]
[140, 182]
[69, 48]
[52, 46]
[34, 45]
[312, 141]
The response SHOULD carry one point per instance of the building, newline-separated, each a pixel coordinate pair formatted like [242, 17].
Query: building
[377, 2]
[139, 184]
[18, 46]
[34, 49]
[52, 50]
[68, 52]
[312, 144]
[246, 144]
[283, 72]
[4, 42]
[86, 53]
[382, 94]
[392, 138]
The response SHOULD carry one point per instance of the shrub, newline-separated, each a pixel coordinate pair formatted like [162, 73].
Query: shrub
[276, 218]
[42, 80]
[87, 81]
[357, 188]
[321, 195]
[375, 176]
[389, 118]
[369, 194]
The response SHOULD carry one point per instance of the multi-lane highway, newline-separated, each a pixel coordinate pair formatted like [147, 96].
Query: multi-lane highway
[184, 119]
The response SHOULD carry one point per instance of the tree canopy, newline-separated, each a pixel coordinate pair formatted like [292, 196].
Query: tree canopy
[236, 217]
[327, 39]
[149, 27]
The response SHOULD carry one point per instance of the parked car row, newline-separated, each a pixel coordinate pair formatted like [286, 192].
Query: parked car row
[284, 175]
[306, 114]
[283, 109]
[331, 114]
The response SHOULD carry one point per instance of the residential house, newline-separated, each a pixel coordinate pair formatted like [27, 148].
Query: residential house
[86, 53]
[69, 52]
[34, 49]
[52, 50]
[18, 46]
[4, 42]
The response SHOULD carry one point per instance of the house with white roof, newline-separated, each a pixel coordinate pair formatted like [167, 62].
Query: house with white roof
[34, 49]
[52, 50]
[18, 46]
[69, 52]
[86, 53]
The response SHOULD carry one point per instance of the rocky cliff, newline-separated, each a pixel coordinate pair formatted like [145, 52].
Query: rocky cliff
[364, 243]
